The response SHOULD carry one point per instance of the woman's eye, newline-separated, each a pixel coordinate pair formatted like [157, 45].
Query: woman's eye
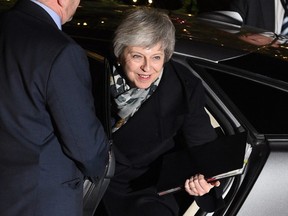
[157, 57]
[136, 56]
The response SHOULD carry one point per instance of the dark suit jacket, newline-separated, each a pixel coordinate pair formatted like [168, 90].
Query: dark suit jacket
[258, 13]
[211, 5]
[50, 137]
[175, 108]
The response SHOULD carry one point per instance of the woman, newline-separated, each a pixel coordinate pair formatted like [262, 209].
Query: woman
[154, 100]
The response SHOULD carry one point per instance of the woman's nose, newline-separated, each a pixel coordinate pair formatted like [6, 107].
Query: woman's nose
[145, 65]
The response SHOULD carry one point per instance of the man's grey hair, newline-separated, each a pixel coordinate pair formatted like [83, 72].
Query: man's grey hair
[145, 27]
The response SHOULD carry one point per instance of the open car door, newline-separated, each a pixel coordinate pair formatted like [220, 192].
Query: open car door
[100, 71]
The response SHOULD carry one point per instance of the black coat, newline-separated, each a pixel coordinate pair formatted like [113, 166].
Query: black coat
[258, 13]
[50, 137]
[175, 109]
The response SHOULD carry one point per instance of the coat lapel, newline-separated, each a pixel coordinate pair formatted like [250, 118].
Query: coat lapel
[172, 96]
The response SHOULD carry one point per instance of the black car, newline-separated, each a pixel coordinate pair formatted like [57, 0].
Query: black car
[244, 72]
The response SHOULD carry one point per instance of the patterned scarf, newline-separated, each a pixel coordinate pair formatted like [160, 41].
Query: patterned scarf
[127, 99]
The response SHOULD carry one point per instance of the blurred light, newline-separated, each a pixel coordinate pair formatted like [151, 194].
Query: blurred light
[134, 1]
[84, 24]
[150, 1]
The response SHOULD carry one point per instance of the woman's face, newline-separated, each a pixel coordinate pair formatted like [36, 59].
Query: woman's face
[142, 65]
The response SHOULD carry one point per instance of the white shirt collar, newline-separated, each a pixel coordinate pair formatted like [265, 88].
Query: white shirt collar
[279, 13]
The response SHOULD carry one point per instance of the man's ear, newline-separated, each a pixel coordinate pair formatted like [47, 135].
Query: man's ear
[62, 3]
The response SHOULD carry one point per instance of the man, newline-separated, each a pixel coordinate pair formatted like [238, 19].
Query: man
[50, 138]
[265, 14]
[212, 5]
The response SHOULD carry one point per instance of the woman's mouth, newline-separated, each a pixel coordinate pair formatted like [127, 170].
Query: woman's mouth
[144, 76]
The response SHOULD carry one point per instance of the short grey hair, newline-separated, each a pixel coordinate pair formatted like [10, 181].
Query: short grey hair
[146, 27]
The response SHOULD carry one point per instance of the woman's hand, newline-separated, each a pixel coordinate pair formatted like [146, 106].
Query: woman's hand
[198, 186]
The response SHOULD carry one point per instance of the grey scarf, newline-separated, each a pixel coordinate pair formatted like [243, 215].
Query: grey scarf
[127, 99]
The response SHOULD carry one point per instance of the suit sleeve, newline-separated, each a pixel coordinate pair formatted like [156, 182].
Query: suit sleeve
[71, 104]
[197, 129]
